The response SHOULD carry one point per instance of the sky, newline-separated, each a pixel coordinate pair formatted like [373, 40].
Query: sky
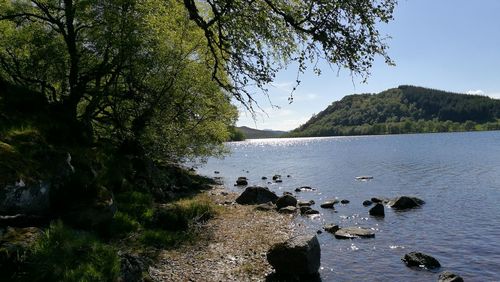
[451, 45]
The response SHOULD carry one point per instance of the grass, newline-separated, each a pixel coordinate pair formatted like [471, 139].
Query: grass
[64, 254]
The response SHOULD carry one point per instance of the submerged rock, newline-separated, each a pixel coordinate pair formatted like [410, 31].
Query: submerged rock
[367, 203]
[447, 276]
[405, 202]
[377, 210]
[420, 260]
[364, 177]
[264, 178]
[354, 232]
[286, 200]
[345, 201]
[304, 209]
[311, 212]
[276, 176]
[255, 195]
[305, 203]
[376, 200]
[299, 255]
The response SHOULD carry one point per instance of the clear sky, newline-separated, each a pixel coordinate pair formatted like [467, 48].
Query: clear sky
[451, 45]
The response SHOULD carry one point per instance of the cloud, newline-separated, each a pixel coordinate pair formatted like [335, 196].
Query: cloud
[475, 92]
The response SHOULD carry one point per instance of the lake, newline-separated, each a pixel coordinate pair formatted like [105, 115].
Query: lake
[456, 174]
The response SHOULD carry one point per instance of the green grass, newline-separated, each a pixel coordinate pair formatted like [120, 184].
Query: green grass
[64, 254]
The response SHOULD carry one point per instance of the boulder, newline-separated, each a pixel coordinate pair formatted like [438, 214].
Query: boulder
[286, 200]
[367, 203]
[354, 232]
[299, 255]
[288, 210]
[447, 276]
[266, 207]
[345, 201]
[405, 202]
[377, 210]
[256, 195]
[264, 178]
[329, 204]
[420, 260]
[376, 200]
[241, 181]
[332, 228]
[21, 198]
[276, 177]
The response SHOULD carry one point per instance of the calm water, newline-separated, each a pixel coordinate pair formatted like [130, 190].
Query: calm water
[457, 174]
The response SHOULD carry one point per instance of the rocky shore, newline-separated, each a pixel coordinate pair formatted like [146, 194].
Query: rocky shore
[231, 247]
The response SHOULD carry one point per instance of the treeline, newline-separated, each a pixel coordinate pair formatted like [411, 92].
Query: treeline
[406, 109]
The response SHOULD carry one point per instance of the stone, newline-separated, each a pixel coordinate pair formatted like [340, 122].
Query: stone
[21, 198]
[264, 178]
[304, 189]
[420, 260]
[288, 210]
[255, 195]
[367, 203]
[345, 201]
[286, 200]
[242, 181]
[405, 202]
[300, 255]
[332, 228]
[269, 206]
[311, 211]
[376, 200]
[377, 210]
[354, 232]
[305, 203]
[304, 209]
[216, 172]
[132, 267]
[364, 177]
[329, 204]
[276, 177]
[447, 276]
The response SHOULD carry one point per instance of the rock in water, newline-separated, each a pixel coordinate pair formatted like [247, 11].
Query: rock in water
[304, 209]
[304, 188]
[305, 203]
[377, 210]
[367, 203]
[405, 202]
[449, 277]
[256, 195]
[285, 201]
[420, 260]
[332, 228]
[242, 181]
[299, 255]
[354, 232]
[329, 204]
[311, 211]
[345, 202]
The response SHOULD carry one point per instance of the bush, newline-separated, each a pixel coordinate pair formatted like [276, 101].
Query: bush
[122, 225]
[65, 254]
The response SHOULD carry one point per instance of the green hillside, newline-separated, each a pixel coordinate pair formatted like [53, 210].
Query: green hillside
[406, 109]
[252, 133]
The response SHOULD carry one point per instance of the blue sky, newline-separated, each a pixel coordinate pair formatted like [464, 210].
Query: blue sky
[451, 45]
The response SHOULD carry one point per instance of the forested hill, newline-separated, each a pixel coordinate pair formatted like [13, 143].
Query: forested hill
[406, 109]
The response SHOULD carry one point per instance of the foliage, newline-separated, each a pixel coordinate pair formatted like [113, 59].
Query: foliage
[406, 109]
[235, 134]
[64, 254]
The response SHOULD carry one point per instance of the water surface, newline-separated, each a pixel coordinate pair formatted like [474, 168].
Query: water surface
[457, 174]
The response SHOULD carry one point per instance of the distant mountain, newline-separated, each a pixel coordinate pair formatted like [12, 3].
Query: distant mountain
[405, 109]
[252, 133]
